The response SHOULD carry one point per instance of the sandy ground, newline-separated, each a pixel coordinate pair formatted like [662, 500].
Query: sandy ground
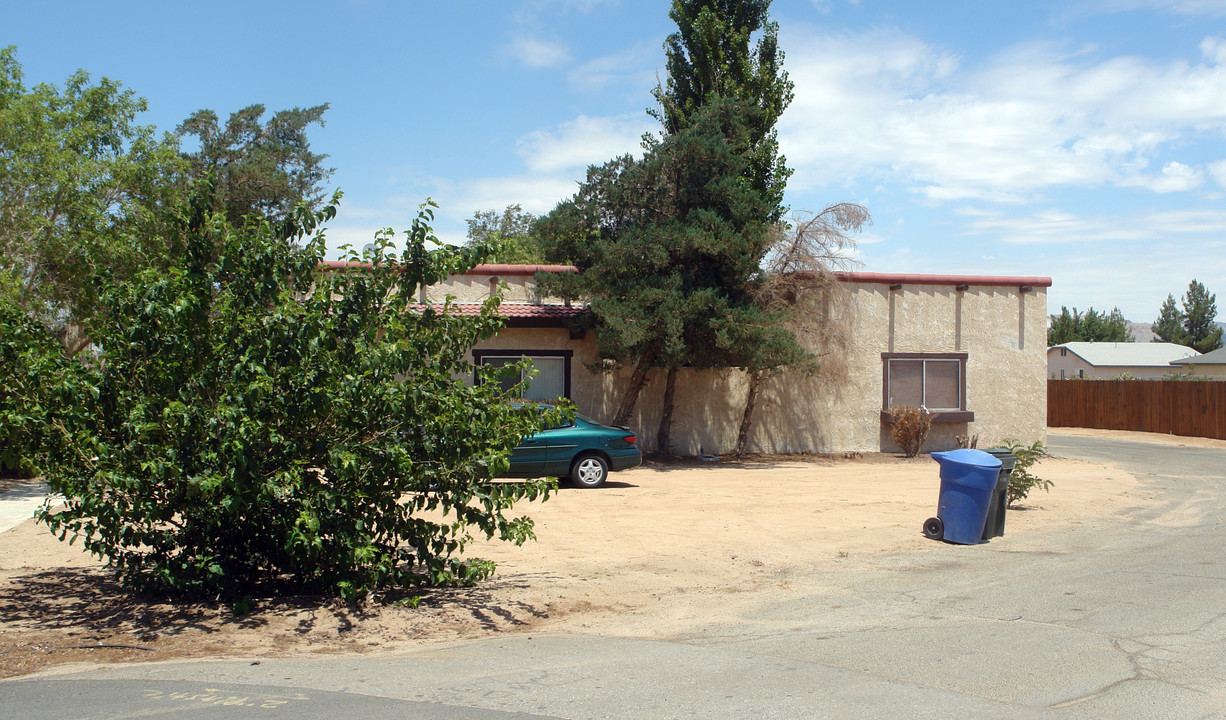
[658, 551]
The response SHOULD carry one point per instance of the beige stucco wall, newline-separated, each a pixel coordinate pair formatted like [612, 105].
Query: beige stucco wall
[476, 288]
[1213, 372]
[1002, 329]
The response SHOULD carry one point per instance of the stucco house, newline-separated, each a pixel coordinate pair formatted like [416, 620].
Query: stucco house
[1143, 361]
[969, 348]
[1210, 365]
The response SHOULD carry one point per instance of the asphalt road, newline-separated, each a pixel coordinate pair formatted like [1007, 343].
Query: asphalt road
[1121, 618]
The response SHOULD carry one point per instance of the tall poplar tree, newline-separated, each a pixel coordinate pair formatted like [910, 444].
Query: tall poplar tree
[710, 56]
[670, 247]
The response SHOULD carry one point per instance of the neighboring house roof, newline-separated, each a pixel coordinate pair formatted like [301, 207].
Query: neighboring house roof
[1215, 357]
[1105, 354]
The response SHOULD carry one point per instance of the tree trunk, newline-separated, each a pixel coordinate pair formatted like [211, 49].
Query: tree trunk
[666, 417]
[637, 381]
[74, 338]
[751, 400]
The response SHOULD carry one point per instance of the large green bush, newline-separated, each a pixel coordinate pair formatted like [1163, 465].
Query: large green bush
[31, 363]
[253, 425]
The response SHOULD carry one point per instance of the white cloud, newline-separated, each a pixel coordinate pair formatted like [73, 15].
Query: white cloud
[1052, 226]
[885, 104]
[535, 193]
[534, 52]
[1214, 49]
[583, 141]
[1217, 171]
[635, 66]
[1175, 7]
[1175, 177]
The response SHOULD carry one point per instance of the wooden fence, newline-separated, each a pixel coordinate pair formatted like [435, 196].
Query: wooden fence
[1191, 408]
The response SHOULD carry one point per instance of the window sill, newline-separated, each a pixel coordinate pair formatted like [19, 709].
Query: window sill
[947, 416]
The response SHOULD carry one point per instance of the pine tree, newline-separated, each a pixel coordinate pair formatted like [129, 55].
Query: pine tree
[1169, 325]
[1090, 326]
[1199, 312]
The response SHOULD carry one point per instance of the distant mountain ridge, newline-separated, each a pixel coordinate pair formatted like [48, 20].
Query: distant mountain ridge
[1144, 332]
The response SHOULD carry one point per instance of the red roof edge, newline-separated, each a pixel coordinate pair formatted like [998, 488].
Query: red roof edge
[507, 269]
[486, 269]
[912, 279]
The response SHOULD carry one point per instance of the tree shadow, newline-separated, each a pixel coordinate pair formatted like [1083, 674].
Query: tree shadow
[89, 599]
[483, 602]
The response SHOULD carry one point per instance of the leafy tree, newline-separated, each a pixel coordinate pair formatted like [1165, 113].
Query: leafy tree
[1199, 313]
[259, 168]
[255, 425]
[1169, 325]
[510, 234]
[1090, 326]
[1193, 325]
[82, 187]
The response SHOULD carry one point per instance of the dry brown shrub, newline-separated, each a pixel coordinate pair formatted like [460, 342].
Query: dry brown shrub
[910, 428]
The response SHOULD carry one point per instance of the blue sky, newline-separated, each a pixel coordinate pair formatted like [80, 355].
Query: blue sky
[1083, 140]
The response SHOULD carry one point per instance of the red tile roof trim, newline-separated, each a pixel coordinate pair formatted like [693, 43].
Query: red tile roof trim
[511, 310]
[498, 269]
[909, 279]
[487, 269]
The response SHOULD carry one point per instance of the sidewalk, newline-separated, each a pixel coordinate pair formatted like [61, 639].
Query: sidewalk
[18, 505]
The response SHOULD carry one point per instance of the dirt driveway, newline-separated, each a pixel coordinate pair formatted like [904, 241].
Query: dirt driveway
[659, 551]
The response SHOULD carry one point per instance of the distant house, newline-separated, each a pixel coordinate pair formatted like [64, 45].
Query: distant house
[969, 348]
[1144, 361]
[1211, 365]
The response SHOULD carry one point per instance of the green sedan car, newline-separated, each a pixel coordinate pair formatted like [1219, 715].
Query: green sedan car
[583, 450]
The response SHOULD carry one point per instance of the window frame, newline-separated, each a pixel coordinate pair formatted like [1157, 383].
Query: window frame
[479, 357]
[961, 414]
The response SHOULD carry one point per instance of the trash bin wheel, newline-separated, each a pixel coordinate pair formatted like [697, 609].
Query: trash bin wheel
[934, 528]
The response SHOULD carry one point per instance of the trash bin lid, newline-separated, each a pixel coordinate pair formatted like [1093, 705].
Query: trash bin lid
[967, 456]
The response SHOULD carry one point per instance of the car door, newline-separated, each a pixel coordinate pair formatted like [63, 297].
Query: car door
[563, 444]
[528, 457]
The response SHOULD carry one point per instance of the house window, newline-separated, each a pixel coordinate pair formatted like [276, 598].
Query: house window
[552, 378]
[936, 381]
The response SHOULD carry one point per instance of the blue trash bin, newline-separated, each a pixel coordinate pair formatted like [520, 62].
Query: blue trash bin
[968, 480]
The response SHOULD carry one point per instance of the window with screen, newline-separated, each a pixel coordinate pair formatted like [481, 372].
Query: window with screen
[552, 378]
[936, 381]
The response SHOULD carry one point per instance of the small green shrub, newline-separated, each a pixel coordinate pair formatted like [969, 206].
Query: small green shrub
[910, 428]
[1021, 481]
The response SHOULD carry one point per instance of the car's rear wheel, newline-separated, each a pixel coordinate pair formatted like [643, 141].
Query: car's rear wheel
[589, 471]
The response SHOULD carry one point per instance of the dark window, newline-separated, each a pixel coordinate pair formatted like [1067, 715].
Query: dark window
[936, 381]
[552, 378]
